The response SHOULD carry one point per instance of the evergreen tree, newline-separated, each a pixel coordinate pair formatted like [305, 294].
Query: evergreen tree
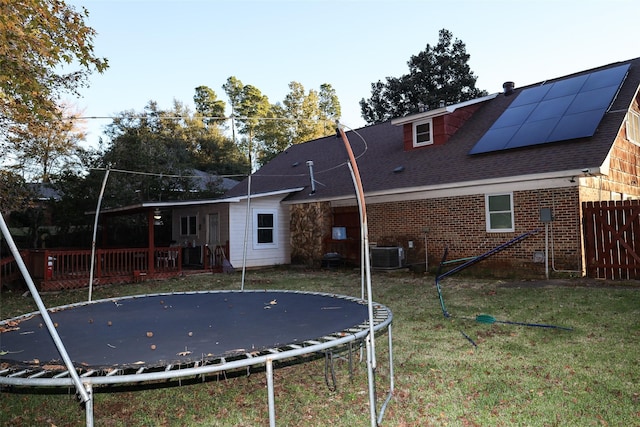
[440, 73]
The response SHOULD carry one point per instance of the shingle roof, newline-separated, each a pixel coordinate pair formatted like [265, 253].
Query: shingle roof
[379, 150]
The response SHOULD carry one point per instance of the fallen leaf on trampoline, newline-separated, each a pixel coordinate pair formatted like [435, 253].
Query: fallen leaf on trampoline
[3, 353]
[273, 302]
[112, 346]
[139, 362]
[184, 353]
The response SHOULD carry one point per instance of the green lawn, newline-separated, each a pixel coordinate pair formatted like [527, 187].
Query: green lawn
[514, 376]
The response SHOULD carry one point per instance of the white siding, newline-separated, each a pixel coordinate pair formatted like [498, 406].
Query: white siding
[279, 253]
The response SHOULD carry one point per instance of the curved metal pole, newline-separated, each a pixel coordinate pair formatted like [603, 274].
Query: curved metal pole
[43, 312]
[371, 339]
[95, 230]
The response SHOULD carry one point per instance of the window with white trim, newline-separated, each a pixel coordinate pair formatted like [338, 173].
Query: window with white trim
[188, 225]
[265, 229]
[499, 211]
[633, 127]
[423, 133]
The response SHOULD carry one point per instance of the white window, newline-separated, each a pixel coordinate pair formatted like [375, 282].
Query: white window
[422, 133]
[633, 127]
[499, 210]
[265, 229]
[188, 225]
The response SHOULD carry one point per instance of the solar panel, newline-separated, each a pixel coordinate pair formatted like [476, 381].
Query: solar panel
[559, 111]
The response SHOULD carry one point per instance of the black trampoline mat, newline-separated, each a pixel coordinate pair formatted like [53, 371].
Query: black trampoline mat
[179, 328]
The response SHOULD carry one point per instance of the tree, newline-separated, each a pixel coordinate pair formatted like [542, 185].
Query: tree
[159, 143]
[439, 73]
[209, 106]
[250, 107]
[39, 41]
[303, 116]
[15, 195]
[272, 128]
[46, 149]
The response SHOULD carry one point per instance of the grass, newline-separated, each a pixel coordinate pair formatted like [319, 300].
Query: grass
[515, 376]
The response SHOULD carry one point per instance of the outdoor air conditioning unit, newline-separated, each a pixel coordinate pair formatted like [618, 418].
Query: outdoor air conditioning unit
[384, 257]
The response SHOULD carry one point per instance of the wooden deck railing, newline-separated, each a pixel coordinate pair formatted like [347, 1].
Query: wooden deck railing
[9, 271]
[53, 269]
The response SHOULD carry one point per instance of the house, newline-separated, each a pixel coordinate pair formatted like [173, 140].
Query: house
[468, 177]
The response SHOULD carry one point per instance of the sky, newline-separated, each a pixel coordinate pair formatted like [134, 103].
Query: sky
[162, 50]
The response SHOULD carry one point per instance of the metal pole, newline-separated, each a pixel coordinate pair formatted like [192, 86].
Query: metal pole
[270, 394]
[546, 250]
[485, 255]
[362, 231]
[371, 340]
[383, 408]
[43, 311]
[246, 222]
[88, 406]
[95, 230]
[246, 233]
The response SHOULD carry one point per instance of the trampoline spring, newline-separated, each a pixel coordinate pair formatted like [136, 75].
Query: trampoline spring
[61, 374]
[88, 373]
[38, 374]
[20, 373]
[113, 372]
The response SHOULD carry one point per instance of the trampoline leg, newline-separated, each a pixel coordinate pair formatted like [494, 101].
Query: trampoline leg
[372, 383]
[88, 406]
[383, 408]
[271, 398]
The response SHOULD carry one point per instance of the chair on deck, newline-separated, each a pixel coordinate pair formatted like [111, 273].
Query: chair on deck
[167, 258]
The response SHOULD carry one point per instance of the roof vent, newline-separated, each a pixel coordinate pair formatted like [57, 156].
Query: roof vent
[442, 103]
[508, 87]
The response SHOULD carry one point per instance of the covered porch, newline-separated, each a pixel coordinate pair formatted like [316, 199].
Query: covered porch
[114, 262]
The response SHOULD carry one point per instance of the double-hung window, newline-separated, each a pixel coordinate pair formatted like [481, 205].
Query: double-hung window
[188, 225]
[422, 133]
[265, 230]
[499, 212]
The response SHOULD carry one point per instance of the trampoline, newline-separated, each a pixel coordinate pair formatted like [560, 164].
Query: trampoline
[173, 335]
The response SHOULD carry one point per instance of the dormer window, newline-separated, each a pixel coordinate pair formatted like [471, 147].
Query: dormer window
[435, 127]
[422, 133]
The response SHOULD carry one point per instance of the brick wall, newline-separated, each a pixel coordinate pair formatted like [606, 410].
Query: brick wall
[459, 223]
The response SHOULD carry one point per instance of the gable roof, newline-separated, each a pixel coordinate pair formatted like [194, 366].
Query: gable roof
[379, 151]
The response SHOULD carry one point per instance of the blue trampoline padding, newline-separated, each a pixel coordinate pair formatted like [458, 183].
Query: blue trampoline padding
[168, 329]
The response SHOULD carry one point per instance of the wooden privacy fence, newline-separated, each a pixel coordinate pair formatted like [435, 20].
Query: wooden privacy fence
[612, 239]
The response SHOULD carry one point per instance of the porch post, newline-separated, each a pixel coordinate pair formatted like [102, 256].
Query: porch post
[151, 238]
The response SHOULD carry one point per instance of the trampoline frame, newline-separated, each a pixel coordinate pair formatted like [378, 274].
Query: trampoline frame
[33, 377]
